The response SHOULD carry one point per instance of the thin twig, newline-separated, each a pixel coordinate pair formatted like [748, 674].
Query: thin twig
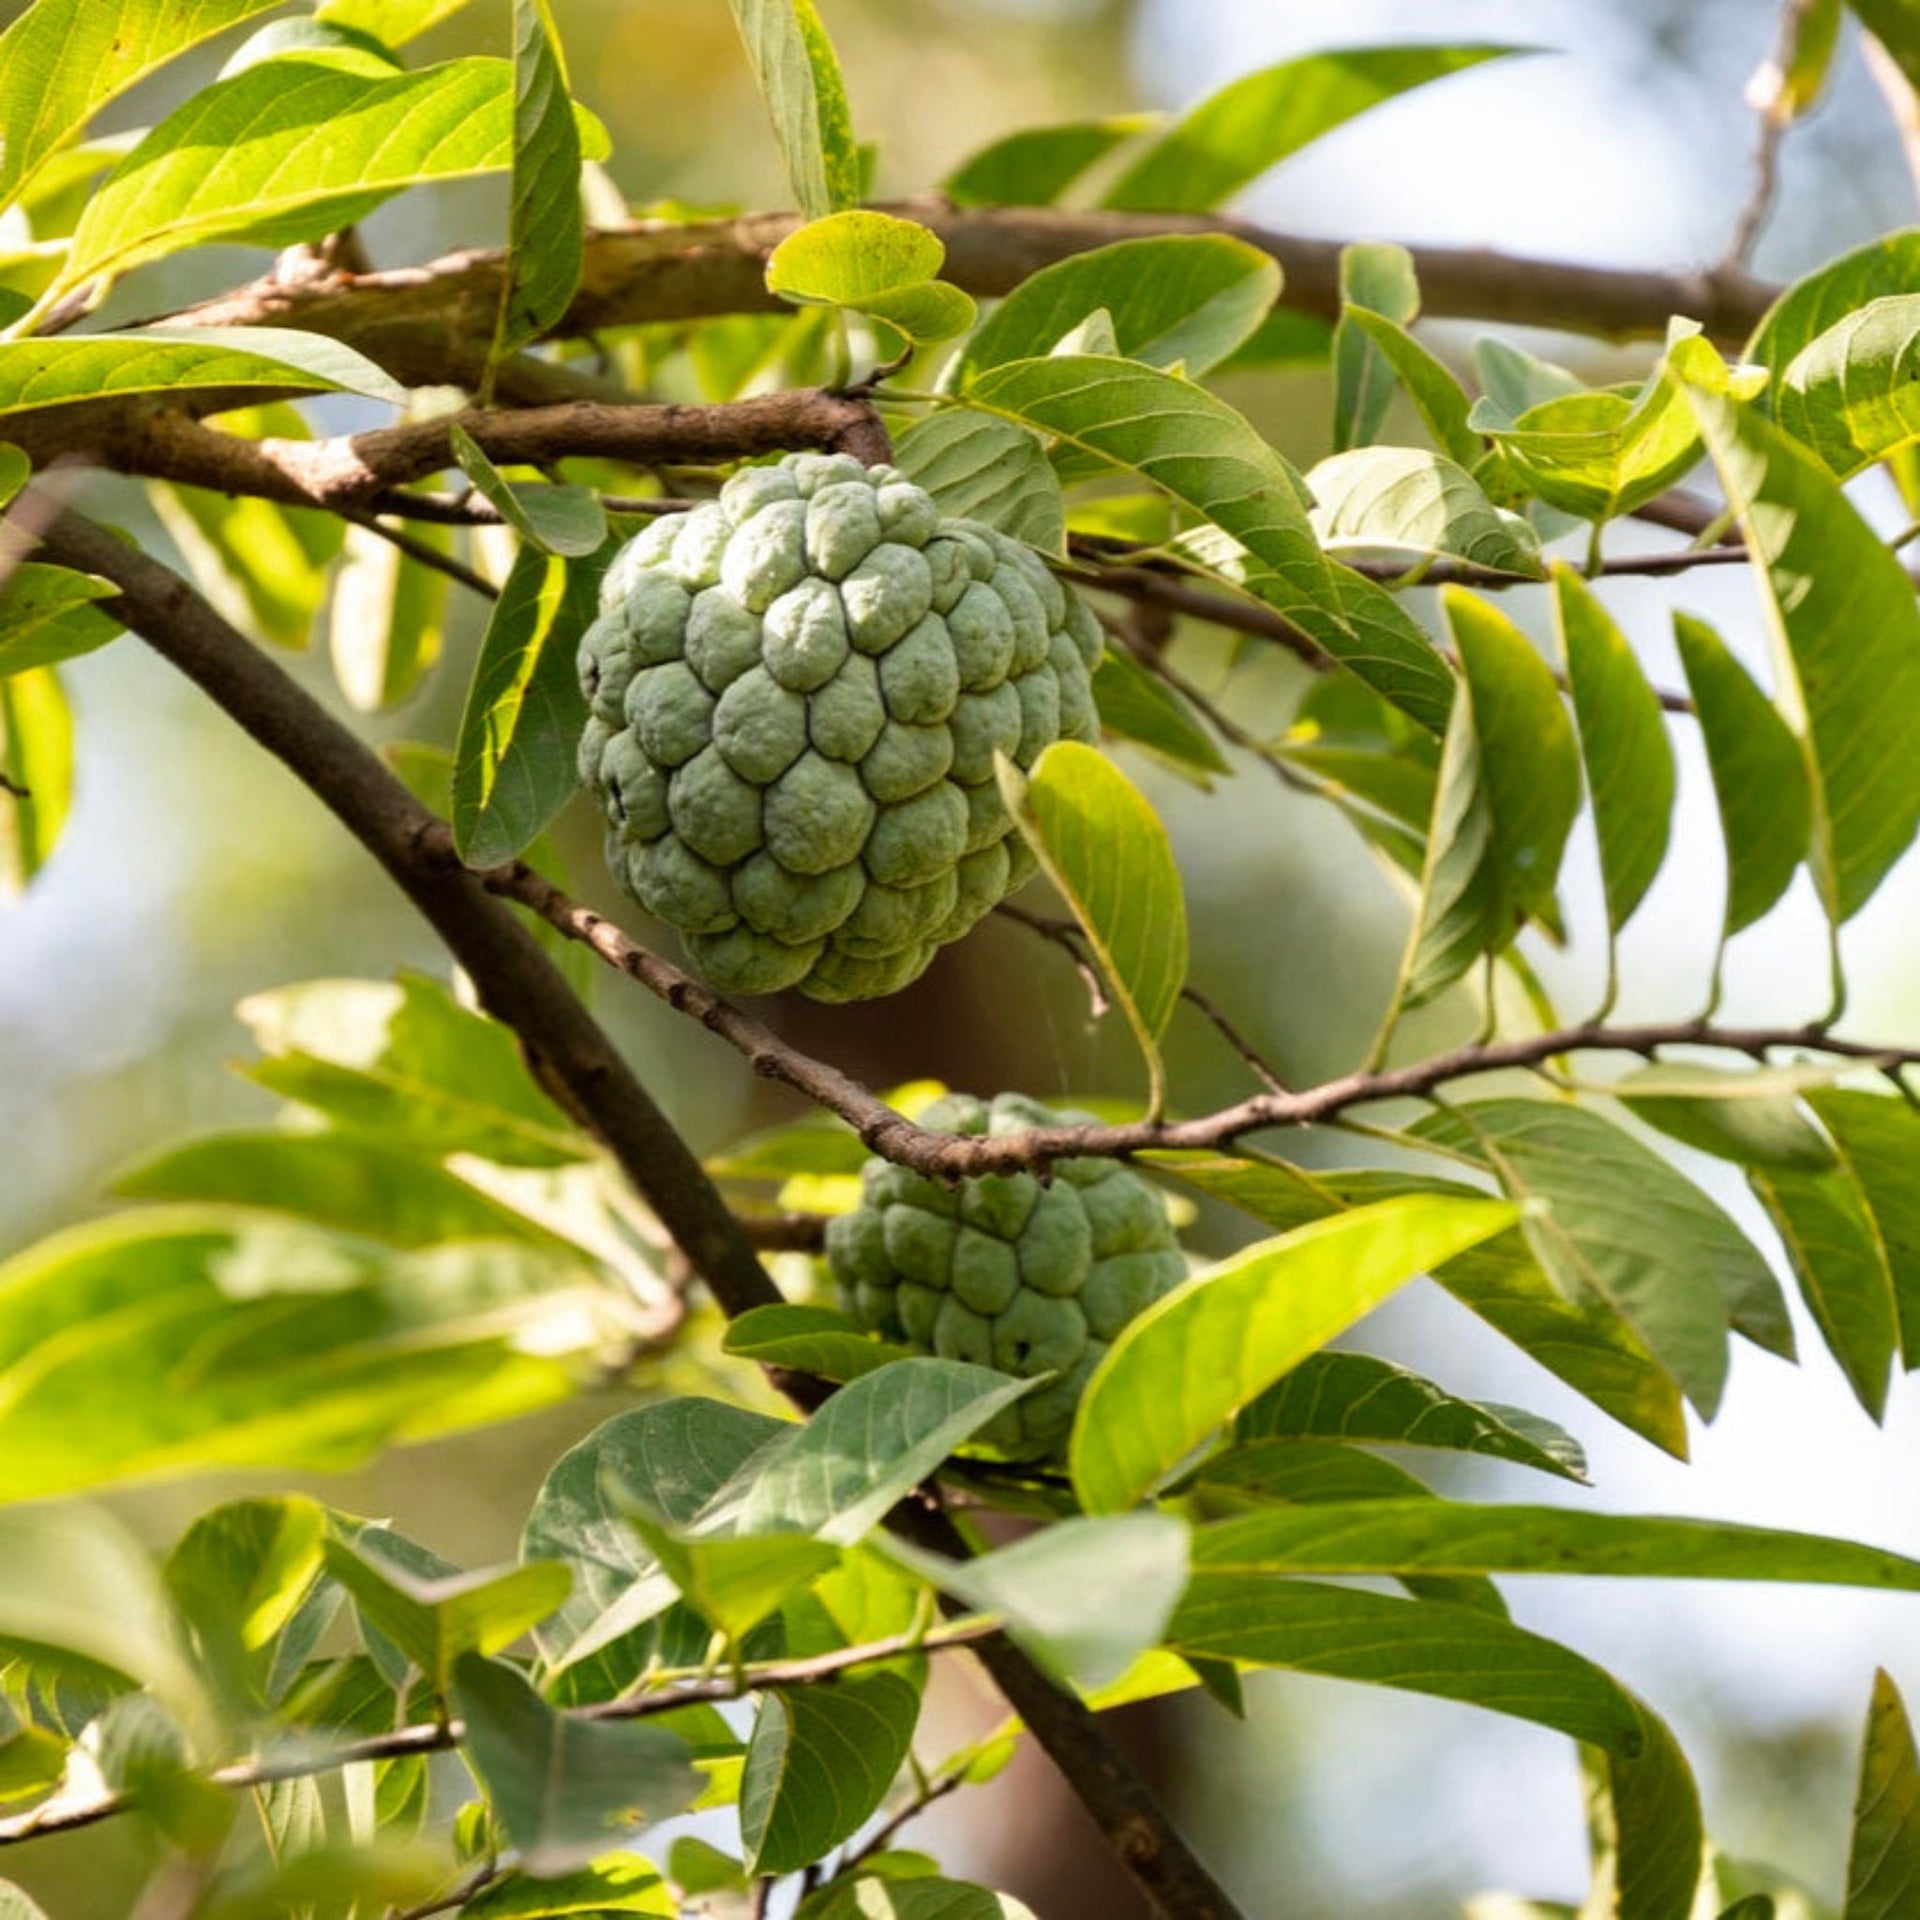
[425, 552]
[1774, 106]
[888, 1830]
[10, 785]
[1065, 935]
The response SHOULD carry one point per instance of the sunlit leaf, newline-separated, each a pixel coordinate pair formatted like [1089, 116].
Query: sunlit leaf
[1409, 508]
[36, 760]
[47, 615]
[545, 233]
[874, 263]
[1034, 167]
[799, 77]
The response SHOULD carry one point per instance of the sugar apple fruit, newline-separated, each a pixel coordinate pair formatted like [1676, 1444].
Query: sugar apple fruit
[1003, 1271]
[797, 693]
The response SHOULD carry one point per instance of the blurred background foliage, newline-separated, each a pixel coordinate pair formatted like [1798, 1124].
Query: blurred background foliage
[193, 872]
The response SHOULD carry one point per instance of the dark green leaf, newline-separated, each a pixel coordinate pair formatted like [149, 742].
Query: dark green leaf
[1137, 706]
[568, 520]
[564, 1789]
[1174, 300]
[1883, 1862]
[545, 234]
[1439, 397]
[1034, 167]
[1253, 123]
[820, 1762]
[1623, 743]
[1754, 1118]
[1380, 280]
[814, 1340]
[734, 1584]
[1759, 775]
[514, 767]
[793, 60]
[1878, 1138]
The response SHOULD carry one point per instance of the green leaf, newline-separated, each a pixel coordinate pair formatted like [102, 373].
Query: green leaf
[33, 1762]
[435, 1621]
[1440, 1536]
[1378, 279]
[838, 1475]
[392, 22]
[1838, 1258]
[1847, 646]
[820, 1762]
[387, 617]
[1175, 301]
[1877, 1137]
[1207, 456]
[980, 468]
[1759, 775]
[61, 61]
[1034, 167]
[513, 769]
[1253, 123]
[799, 77]
[47, 615]
[734, 1584]
[699, 1867]
[673, 1457]
[36, 759]
[240, 1575]
[546, 237]
[94, 366]
[1516, 381]
[867, 1896]
[1303, 1472]
[1845, 394]
[1610, 1220]
[1410, 507]
[1353, 1396]
[1455, 1653]
[1440, 399]
[1196, 1357]
[564, 1788]
[1136, 1562]
[1645, 1821]
[1137, 706]
[288, 151]
[404, 1061]
[874, 263]
[1104, 849]
[1754, 1118]
[816, 1340]
[79, 1585]
[1623, 745]
[621, 1883]
[1508, 795]
[564, 520]
[1890, 265]
[1883, 1862]
[262, 565]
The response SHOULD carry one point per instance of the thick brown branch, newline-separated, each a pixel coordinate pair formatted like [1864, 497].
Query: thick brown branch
[420, 322]
[515, 979]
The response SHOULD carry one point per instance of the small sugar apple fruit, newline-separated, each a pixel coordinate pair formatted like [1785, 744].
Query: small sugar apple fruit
[797, 693]
[1003, 1271]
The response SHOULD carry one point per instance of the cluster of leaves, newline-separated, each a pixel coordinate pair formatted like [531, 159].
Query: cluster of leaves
[426, 1242]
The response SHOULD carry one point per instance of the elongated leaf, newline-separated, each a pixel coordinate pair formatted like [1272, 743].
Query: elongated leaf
[564, 1788]
[36, 758]
[1196, 1357]
[1838, 1258]
[1439, 1536]
[47, 615]
[793, 60]
[392, 22]
[404, 1061]
[1039, 1586]
[513, 769]
[814, 1340]
[1104, 848]
[1883, 1862]
[1378, 279]
[1753, 1118]
[1877, 1136]
[546, 240]
[1034, 167]
[1175, 300]
[287, 151]
[1441, 400]
[564, 520]
[1759, 775]
[1847, 647]
[1456, 1653]
[733, 1585]
[387, 617]
[870, 1897]
[262, 567]
[93, 366]
[1611, 1220]
[1411, 507]
[1508, 795]
[873, 263]
[1889, 265]
[62, 60]
[1253, 123]
[839, 1474]
[980, 468]
[1623, 745]
[1206, 456]
[1643, 1812]
[619, 1883]
[1138, 707]
[1352, 1396]
[820, 1762]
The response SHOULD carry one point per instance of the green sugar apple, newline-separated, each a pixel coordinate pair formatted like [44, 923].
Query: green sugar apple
[1004, 1271]
[797, 693]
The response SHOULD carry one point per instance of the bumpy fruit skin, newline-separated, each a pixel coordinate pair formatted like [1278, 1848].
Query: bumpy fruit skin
[1003, 1271]
[797, 693]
